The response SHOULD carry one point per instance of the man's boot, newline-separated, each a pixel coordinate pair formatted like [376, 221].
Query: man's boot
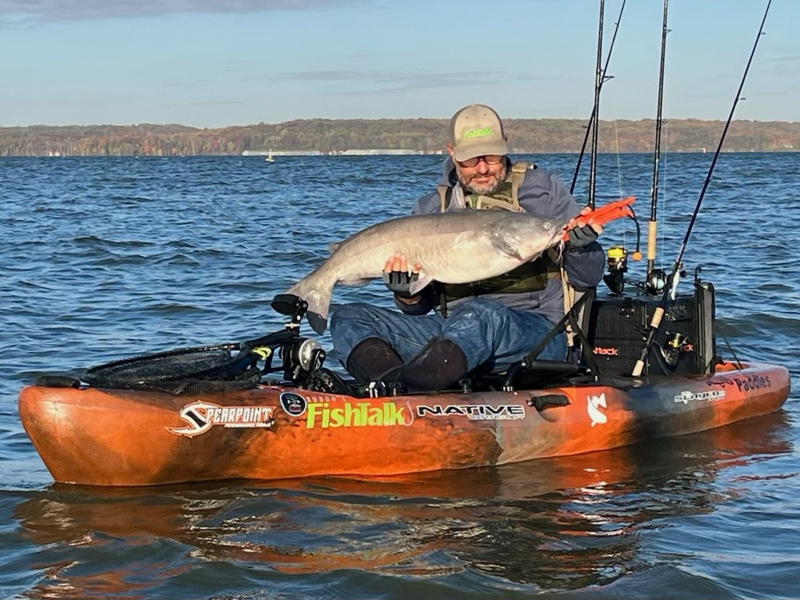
[439, 365]
[326, 381]
[370, 359]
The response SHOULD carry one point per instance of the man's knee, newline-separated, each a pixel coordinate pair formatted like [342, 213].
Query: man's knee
[479, 309]
[348, 313]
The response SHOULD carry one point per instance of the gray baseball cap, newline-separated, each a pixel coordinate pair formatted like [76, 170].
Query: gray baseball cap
[476, 130]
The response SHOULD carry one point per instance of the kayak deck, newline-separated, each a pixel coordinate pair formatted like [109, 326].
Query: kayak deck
[128, 438]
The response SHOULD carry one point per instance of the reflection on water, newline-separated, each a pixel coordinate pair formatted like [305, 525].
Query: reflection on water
[105, 258]
[558, 524]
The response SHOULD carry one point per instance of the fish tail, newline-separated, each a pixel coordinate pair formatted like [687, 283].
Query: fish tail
[318, 296]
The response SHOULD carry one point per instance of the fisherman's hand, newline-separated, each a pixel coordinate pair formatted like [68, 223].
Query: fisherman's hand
[580, 237]
[399, 278]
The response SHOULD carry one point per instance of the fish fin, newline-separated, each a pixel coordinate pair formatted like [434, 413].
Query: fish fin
[318, 323]
[356, 282]
[418, 285]
[333, 247]
[318, 299]
[501, 245]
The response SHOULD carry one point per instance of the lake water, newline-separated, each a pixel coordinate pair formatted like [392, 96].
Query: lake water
[103, 258]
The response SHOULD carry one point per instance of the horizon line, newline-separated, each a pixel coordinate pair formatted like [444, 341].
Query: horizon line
[505, 120]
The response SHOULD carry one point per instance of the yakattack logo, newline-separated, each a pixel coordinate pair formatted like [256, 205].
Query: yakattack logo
[606, 351]
[474, 412]
[356, 414]
[593, 404]
[293, 404]
[201, 416]
[709, 396]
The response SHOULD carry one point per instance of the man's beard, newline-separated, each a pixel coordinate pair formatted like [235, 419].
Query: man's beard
[483, 190]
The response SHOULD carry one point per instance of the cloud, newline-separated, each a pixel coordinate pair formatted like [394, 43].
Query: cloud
[391, 82]
[783, 59]
[33, 12]
[388, 81]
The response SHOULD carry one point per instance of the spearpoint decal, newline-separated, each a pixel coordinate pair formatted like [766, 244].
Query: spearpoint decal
[593, 405]
[201, 416]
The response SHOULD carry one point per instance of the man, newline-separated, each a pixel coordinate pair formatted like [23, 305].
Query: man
[491, 323]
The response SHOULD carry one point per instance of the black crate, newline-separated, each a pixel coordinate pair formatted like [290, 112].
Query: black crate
[618, 327]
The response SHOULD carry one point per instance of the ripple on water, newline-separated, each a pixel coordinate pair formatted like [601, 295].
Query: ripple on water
[107, 258]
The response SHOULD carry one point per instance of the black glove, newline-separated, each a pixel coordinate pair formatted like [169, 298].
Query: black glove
[400, 282]
[580, 237]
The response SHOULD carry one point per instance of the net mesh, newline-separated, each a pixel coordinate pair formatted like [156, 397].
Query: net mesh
[188, 370]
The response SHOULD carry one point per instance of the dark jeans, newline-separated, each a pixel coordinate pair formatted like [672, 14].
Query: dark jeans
[488, 332]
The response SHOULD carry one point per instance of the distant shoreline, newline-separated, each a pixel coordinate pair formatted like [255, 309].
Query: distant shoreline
[387, 136]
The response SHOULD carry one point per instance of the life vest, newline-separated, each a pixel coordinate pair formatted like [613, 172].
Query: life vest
[506, 197]
[529, 277]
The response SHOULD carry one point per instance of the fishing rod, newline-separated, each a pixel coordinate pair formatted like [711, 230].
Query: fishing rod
[669, 290]
[598, 79]
[603, 79]
[652, 226]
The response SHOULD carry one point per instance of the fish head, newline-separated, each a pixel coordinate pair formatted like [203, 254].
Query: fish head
[526, 236]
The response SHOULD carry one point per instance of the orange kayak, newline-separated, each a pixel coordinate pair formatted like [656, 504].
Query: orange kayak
[111, 437]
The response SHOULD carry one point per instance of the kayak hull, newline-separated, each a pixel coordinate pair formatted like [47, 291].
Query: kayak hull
[109, 437]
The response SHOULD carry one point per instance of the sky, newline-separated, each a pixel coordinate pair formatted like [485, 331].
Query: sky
[213, 63]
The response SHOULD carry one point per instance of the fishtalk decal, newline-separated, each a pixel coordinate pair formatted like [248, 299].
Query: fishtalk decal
[201, 416]
[356, 414]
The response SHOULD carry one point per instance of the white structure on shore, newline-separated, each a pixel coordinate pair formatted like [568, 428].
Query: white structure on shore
[356, 152]
[282, 153]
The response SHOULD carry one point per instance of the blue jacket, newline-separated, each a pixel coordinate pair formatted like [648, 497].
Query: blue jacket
[543, 195]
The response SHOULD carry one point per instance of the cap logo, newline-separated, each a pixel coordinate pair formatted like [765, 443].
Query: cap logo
[477, 132]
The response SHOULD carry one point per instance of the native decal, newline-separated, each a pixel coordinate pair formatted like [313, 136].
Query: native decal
[293, 404]
[593, 405]
[201, 416]
[356, 414]
[709, 396]
[474, 412]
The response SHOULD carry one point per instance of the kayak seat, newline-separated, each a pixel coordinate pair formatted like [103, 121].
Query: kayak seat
[533, 375]
[533, 372]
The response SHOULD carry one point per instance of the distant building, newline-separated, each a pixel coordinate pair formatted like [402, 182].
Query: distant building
[282, 153]
[378, 151]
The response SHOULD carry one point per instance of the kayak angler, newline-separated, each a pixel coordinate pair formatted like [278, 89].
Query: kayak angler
[119, 424]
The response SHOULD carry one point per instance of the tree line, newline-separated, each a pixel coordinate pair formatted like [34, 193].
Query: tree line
[419, 135]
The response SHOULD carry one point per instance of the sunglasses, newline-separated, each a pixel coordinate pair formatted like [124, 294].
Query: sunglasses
[489, 159]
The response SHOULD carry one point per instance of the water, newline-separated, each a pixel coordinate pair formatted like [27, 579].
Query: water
[107, 257]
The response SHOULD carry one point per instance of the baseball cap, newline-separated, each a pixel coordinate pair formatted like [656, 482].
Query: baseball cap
[476, 130]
